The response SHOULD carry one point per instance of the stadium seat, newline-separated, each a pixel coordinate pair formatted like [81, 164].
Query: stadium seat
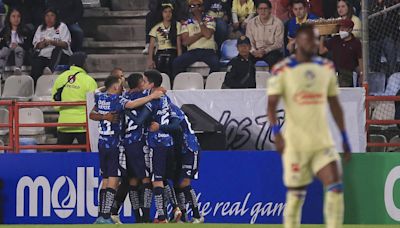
[43, 89]
[4, 120]
[166, 82]
[377, 139]
[31, 115]
[27, 142]
[188, 81]
[228, 51]
[261, 79]
[199, 67]
[376, 83]
[18, 88]
[1, 144]
[395, 139]
[215, 80]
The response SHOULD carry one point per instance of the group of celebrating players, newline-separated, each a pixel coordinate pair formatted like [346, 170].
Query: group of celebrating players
[160, 148]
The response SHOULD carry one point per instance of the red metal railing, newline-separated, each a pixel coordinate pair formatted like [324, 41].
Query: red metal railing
[8, 125]
[369, 122]
[18, 125]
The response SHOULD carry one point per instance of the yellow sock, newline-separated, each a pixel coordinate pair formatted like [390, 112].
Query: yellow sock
[294, 204]
[334, 209]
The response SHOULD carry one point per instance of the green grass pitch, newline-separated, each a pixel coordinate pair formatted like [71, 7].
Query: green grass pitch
[188, 226]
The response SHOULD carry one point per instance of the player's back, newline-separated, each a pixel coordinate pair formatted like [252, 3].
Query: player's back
[109, 103]
[133, 131]
[305, 88]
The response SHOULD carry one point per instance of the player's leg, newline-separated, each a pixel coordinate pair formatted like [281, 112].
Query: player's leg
[146, 189]
[120, 197]
[103, 157]
[169, 192]
[159, 162]
[331, 176]
[297, 175]
[134, 195]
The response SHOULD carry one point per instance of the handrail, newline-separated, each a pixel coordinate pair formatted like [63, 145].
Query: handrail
[8, 125]
[18, 125]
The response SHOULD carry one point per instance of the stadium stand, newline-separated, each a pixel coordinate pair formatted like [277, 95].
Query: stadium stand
[32, 115]
[3, 119]
[166, 81]
[43, 88]
[19, 88]
[377, 139]
[261, 79]
[188, 81]
[215, 80]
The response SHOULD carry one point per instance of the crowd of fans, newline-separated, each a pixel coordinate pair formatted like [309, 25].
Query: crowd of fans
[43, 33]
[201, 26]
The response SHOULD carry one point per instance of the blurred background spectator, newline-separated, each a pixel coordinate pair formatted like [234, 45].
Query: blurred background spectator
[242, 12]
[345, 10]
[279, 8]
[164, 36]
[32, 11]
[346, 54]
[299, 8]
[241, 71]
[315, 7]
[220, 10]
[198, 35]
[52, 45]
[15, 39]
[265, 32]
[70, 12]
[151, 19]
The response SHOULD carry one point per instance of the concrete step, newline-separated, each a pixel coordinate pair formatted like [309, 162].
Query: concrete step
[120, 33]
[113, 47]
[106, 62]
[129, 4]
[106, 12]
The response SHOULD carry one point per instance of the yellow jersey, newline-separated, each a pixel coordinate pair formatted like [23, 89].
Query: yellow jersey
[243, 11]
[192, 27]
[305, 88]
[161, 34]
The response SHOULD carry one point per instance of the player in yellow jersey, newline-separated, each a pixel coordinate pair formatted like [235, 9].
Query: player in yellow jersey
[307, 83]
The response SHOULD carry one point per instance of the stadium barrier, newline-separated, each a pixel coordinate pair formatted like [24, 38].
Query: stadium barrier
[14, 126]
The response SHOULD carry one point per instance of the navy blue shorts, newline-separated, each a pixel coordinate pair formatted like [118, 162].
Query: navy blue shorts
[109, 161]
[163, 163]
[189, 165]
[135, 160]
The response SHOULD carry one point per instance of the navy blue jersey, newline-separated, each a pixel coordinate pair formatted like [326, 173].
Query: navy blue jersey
[133, 132]
[190, 142]
[110, 133]
[161, 113]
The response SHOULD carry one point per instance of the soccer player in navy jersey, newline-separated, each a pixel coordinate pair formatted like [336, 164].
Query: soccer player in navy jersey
[110, 129]
[187, 155]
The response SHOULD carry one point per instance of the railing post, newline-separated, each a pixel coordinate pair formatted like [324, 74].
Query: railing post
[87, 131]
[16, 117]
[11, 126]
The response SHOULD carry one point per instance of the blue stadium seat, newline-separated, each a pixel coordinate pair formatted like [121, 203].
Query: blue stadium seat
[27, 142]
[228, 51]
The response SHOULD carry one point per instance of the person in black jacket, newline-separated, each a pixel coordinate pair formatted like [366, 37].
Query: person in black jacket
[70, 12]
[241, 72]
[31, 9]
[15, 38]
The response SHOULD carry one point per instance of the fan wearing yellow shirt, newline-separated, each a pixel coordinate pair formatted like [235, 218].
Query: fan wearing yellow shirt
[307, 84]
[242, 12]
[165, 44]
[198, 35]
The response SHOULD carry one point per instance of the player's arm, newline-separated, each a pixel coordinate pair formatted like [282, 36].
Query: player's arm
[322, 48]
[142, 101]
[145, 114]
[96, 116]
[337, 113]
[172, 127]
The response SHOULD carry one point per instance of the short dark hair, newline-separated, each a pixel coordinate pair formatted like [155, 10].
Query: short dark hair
[134, 79]
[306, 28]
[154, 77]
[78, 59]
[265, 2]
[110, 80]
[298, 2]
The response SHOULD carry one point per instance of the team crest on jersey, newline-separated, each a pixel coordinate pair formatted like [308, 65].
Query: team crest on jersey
[295, 167]
[310, 78]
[71, 79]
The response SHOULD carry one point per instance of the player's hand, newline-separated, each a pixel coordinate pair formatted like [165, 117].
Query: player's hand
[156, 94]
[154, 126]
[279, 143]
[347, 152]
[162, 89]
[112, 117]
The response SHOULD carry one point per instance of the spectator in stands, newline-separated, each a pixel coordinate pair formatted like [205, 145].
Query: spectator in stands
[164, 38]
[346, 53]
[70, 12]
[265, 32]
[315, 7]
[299, 8]
[220, 10]
[346, 10]
[77, 83]
[52, 45]
[15, 39]
[151, 19]
[242, 12]
[241, 72]
[198, 35]
[280, 9]
[32, 11]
